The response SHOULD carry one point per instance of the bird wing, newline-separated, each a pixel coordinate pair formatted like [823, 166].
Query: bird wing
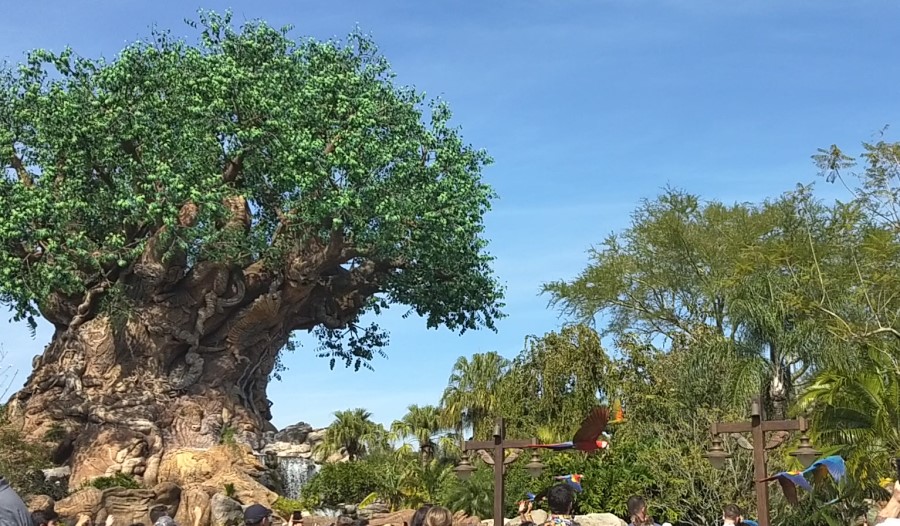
[592, 426]
[833, 465]
[790, 490]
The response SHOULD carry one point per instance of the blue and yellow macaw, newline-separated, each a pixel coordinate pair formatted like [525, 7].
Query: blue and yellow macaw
[833, 465]
[789, 480]
[573, 480]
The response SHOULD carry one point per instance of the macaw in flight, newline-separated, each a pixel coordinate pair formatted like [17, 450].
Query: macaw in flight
[789, 480]
[587, 438]
[573, 480]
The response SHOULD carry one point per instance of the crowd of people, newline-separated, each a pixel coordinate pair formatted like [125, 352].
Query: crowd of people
[560, 501]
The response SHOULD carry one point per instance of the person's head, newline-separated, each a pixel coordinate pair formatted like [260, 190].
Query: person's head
[44, 518]
[637, 510]
[560, 499]
[438, 516]
[158, 511]
[733, 514]
[418, 518]
[257, 515]
[164, 520]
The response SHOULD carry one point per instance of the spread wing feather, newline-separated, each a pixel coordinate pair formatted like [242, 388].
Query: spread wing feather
[592, 426]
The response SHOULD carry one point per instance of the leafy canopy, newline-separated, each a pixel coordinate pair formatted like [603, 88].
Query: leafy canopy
[99, 156]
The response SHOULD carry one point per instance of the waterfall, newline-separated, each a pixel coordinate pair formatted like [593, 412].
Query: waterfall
[295, 473]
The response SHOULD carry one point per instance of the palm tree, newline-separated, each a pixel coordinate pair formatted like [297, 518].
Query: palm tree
[423, 424]
[472, 396]
[856, 406]
[354, 432]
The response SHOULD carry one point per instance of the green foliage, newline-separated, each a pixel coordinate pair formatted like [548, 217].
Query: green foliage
[553, 383]
[284, 506]
[227, 436]
[354, 432]
[99, 157]
[55, 433]
[423, 423]
[475, 495]
[119, 480]
[21, 460]
[229, 490]
[340, 483]
[471, 398]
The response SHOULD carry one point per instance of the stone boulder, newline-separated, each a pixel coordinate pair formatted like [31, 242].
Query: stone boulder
[218, 467]
[300, 440]
[40, 503]
[225, 511]
[599, 519]
[125, 506]
[295, 434]
[82, 502]
[461, 519]
[376, 508]
[194, 508]
[538, 516]
[397, 518]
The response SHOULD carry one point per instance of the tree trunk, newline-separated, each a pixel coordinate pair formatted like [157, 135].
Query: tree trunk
[129, 391]
[181, 354]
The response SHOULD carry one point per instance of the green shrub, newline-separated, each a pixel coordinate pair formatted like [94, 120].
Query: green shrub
[55, 433]
[119, 480]
[226, 436]
[341, 483]
[285, 506]
[475, 495]
[21, 461]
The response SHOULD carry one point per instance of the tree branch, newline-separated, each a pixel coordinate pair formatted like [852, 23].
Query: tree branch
[24, 177]
[233, 168]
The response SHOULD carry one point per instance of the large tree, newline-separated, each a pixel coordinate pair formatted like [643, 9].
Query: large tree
[179, 211]
[713, 275]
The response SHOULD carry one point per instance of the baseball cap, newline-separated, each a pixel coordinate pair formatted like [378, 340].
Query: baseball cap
[255, 513]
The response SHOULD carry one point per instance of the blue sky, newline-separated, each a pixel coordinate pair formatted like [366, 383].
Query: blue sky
[586, 106]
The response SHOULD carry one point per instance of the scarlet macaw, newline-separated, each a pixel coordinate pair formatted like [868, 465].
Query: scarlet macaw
[573, 480]
[587, 438]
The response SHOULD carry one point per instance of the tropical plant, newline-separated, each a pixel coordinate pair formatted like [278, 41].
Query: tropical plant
[472, 396]
[340, 483]
[423, 423]
[857, 410]
[354, 432]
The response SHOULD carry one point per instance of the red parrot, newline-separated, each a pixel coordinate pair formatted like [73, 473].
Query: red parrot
[587, 438]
